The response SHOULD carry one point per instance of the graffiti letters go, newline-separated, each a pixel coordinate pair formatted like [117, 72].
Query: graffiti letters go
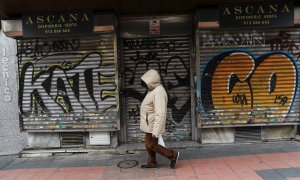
[238, 87]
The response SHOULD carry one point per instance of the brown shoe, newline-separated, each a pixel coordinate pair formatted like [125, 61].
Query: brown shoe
[143, 166]
[174, 162]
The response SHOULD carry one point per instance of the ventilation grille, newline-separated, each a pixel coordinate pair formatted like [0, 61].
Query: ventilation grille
[72, 139]
[247, 134]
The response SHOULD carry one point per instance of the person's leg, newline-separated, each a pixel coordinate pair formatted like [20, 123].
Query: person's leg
[152, 163]
[168, 153]
[152, 158]
[152, 144]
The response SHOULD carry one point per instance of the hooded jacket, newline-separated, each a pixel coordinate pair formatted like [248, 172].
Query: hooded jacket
[154, 106]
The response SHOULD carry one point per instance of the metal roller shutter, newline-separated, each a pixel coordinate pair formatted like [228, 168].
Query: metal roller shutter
[68, 83]
[248, 76]
[170, 56]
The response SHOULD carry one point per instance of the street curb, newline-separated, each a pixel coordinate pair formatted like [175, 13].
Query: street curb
[128, 149]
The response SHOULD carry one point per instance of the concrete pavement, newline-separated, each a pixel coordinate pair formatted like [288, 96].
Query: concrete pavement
[280, 160]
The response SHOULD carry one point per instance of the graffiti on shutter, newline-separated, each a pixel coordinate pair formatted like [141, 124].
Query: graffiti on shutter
[68, 83]
[170, 56]
[248, 76]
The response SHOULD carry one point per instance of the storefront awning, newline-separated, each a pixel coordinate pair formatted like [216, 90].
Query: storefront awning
[15, 8]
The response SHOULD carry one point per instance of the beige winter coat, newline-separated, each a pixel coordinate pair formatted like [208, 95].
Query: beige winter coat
[154, 106]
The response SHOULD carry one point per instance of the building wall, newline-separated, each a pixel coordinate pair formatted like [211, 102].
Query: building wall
[12, 140]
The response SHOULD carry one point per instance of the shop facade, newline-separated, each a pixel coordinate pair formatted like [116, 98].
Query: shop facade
[247, 72]
[224, 84]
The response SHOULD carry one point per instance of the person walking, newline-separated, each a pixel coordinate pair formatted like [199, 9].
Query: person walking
[153, 119]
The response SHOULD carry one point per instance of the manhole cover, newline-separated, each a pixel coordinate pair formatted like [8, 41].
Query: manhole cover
[127, 164]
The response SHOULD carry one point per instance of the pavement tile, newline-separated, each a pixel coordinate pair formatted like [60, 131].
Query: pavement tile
[238, 165]
[25, 176]
[283, 156]
[93, 177]
[12, 173]
[221, 167]
[31, 170]
[186, 178]
[58, 176]
[185, 172]
[133, 169]
[251, 158]
[6, 178]
[257, 165]
[183, 164]
[161, 172]
[208, 177]
[83, 170]
[293, 162]
[146, 174]
[5, 172]
[199, 162]
[295, 154]
[167, 178]
[233, 158]
[44, 173]
[228, 176]
[289, 172]
[277, 164]
[129, 175]
[219, 164]
[112, 169]
[216, 160]
[203, 170]
[270, 174]
[267, 157]
[15, 161]
[111, 176]
[222, 171]
[5, 160]
[251, 175]
[41, 176]
[74, 178]
[148, 169]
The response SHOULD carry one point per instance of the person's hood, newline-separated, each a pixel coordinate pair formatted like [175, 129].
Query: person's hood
[151, 78]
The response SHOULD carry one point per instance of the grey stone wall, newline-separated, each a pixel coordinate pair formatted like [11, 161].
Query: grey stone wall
[279, 132]
[43, 140]
[217, 135]
[12, 140]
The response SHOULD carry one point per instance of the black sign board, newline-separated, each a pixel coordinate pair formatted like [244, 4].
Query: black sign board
[262, 14]
[57, 23]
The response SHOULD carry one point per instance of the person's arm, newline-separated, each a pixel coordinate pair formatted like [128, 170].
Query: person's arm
[160, 113]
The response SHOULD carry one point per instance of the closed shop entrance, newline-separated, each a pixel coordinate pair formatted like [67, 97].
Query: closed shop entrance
[170, 56]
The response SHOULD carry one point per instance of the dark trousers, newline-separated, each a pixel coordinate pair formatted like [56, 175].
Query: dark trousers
[153, 147]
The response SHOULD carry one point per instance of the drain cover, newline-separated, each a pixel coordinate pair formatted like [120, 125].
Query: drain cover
[127, 164]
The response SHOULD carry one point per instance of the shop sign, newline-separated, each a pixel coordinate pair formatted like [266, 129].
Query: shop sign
[6, 77]
[57, 23]
[154, 26]
[264, 14]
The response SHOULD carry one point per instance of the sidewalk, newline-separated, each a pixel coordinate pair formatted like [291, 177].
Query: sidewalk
[280, 160]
